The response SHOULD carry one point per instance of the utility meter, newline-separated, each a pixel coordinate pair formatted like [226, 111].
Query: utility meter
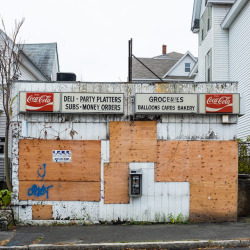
[135, 183]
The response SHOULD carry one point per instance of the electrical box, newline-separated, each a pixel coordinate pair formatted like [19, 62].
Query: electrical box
[135, 183]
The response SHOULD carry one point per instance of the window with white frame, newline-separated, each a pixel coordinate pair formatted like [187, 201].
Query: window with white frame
[208, 64]
[187, 67]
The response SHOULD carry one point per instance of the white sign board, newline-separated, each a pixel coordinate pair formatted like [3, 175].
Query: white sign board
[165, 103]
[61, 155]
[92, 103]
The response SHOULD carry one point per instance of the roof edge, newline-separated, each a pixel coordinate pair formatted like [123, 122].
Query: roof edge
[187, 53]
[232, 14]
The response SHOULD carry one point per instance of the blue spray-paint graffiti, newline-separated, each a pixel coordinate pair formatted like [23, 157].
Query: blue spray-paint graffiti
[40, 191]
[42, 169]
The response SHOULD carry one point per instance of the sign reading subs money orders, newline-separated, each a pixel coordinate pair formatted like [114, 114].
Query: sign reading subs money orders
[166, 103]
[92, 103]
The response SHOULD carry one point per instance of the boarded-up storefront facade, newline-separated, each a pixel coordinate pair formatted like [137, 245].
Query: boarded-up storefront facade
[70, 164]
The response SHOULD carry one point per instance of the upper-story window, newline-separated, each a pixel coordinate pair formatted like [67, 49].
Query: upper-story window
[208, 64]
[187, 67]
[208, 19]
[205, 23]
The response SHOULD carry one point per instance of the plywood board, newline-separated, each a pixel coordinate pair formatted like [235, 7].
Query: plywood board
[42, 212]
[116, 183]
[211, 167]
[196, 160]
[213, 201]
[133, 141]
[36, 160]
[59, 191]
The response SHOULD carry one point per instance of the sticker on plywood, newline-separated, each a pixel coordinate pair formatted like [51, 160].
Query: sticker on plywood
[61, 155]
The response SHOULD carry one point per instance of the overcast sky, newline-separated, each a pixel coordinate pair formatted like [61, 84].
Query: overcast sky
[92, 35]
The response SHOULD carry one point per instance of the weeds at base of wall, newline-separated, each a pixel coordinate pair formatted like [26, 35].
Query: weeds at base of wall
[158, 220]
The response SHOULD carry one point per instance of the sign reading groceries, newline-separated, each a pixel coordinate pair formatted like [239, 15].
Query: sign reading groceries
[219, 103]
[39, 102]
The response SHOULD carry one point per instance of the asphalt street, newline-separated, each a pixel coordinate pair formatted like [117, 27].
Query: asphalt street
[122, 234]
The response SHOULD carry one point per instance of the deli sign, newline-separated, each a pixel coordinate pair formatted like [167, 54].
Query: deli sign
[39, 102]
[219, 103]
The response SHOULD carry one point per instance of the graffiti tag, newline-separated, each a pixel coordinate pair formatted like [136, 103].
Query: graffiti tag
[40, 191]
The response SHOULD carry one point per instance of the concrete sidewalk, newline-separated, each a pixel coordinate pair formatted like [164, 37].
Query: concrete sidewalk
[156, 236]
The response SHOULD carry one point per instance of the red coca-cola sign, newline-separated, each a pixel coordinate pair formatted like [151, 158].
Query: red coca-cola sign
[220, 103]
[41, 102]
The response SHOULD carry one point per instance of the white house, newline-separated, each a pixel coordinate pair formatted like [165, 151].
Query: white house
[39, 62]
[171, 66]
[224, 47]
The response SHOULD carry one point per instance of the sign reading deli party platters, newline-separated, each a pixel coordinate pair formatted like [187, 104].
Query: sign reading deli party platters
[92, 103]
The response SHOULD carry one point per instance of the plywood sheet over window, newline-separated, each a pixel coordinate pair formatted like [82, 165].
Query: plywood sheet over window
[84, 166]
[42, 179]
[133, 141]
[211, 167]
[196, 160]
[42, 212]
[116, 179]
[59, 191]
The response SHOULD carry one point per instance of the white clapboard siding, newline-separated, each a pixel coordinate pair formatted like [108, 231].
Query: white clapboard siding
[189, 131]
[158, 200]
[90, 131]
[49, 131]
[239, 37]
[220, 62]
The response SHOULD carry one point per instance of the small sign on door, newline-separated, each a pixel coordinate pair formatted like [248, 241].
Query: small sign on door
[61, 155]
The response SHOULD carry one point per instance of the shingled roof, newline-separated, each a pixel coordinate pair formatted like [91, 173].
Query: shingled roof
[160, 65]
[42, 55]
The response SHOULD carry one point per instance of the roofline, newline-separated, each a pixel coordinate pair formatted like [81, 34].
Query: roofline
[195, 17]
[232, 14]
[210, 2]
[187, 53]
[164, 80]
[197, 10]
[194, 70]
[57, 58]
[34, 69]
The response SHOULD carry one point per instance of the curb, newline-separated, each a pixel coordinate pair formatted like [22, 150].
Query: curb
[139, 245]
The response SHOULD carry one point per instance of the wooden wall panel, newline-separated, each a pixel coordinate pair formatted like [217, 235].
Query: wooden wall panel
[133, 141]
[42, 212]
[211, 167]
[196, 160]
[85, 165]
[212, 201]
[59, 191]
[116, 179]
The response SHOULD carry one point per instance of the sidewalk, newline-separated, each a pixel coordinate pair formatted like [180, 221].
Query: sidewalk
[170, 236]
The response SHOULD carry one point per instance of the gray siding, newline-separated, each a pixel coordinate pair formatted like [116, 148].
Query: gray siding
[239, 38]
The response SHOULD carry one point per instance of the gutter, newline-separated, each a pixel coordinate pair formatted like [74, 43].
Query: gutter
[233, 13]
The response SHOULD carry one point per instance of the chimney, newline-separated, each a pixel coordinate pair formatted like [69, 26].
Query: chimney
[164, 49]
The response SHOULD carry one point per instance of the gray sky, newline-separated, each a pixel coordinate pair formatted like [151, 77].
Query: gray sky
[92, 35]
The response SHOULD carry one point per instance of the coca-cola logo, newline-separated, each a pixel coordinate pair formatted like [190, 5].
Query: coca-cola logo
[39, 102]
[221, 103]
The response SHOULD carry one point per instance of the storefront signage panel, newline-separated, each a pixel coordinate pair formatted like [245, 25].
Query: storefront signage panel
[219, 103]
[92, 103]
[165, 103]
[42, 102]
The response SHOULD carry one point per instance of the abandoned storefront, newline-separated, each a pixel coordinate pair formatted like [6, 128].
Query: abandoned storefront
[125, 152]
